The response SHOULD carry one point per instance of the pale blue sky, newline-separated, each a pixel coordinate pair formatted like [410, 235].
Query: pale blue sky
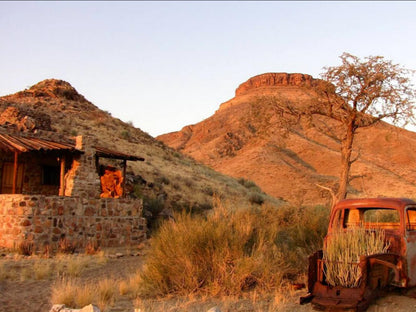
[164, 65]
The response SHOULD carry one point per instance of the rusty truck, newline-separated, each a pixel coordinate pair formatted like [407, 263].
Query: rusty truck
[396, 267]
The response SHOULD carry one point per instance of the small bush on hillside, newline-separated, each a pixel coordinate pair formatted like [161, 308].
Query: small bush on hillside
[248, 184]
[256, 198]
[162, 180]
[230, 251]
[125, 134]
[208, 190]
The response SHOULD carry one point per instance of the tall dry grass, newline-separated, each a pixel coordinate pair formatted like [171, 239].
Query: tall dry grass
[74, 294]
[342, 253]
[231, 251]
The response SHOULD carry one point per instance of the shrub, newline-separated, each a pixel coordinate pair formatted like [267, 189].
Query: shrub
[249, 184]
[299, 232]
[229, 250]
[208, 190]
[125, 134]
[342, 253]
[162, 180]
[153, 207]
[256, 198]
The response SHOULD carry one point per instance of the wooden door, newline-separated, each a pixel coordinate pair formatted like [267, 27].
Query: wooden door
[7, 178]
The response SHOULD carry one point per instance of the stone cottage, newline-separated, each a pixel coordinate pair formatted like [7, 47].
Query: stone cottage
[51, 190]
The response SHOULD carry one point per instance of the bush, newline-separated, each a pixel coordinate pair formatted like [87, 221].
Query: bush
[256, 198]
[125, 134]
[152, 208]
[230, 251]
[249, 184]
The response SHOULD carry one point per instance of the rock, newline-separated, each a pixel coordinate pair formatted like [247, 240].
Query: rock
[63, 308]
[119, 255]
[57, 308]
[272, 80]
[90, 308]
[214, 309]
[24, 119]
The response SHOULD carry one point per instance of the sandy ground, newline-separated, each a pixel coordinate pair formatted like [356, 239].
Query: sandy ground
[30, 295]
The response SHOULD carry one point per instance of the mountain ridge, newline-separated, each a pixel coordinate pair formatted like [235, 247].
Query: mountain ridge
[269, 133]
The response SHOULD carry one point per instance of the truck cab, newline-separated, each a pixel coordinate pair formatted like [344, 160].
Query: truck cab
[396, 267]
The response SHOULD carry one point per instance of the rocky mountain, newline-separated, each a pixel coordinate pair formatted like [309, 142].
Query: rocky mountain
[275, 132]
[166, 179]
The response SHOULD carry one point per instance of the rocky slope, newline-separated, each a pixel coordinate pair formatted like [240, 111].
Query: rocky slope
[166, 179]
[269, 133]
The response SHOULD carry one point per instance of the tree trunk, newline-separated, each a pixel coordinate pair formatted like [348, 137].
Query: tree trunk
[346, 151]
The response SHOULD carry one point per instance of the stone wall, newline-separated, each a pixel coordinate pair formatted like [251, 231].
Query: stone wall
[44, 220]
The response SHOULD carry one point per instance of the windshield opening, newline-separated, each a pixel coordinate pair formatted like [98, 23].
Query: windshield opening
[383, 218]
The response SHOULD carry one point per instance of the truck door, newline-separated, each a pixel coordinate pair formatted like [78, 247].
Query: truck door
[411, 244]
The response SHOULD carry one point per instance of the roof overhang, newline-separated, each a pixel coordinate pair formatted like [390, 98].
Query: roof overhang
[13, 143]
[20, 144]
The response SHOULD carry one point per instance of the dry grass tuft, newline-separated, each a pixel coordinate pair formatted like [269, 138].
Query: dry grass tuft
[25, 248]
[75, 294]
[92, 247]
[42, 269]
[75, 265]
[65, 246]
[131, 287]
[106, 292]
[342, 253]
[3, 272]
[64, 292]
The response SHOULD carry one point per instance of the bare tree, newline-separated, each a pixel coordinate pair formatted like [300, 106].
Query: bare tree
[368, 91]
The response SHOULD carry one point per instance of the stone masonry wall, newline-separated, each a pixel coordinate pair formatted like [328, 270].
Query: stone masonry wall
[44, 220]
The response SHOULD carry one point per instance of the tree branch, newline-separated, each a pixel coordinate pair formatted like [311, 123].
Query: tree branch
[331, 191]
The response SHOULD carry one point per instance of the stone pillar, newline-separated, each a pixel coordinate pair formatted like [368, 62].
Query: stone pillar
[86, 181]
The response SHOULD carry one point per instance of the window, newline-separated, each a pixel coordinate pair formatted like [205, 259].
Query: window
[50, 175]
[373, 218]
[381, 216]
[411, 219]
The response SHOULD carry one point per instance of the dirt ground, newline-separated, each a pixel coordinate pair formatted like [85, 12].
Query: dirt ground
[30, 294]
